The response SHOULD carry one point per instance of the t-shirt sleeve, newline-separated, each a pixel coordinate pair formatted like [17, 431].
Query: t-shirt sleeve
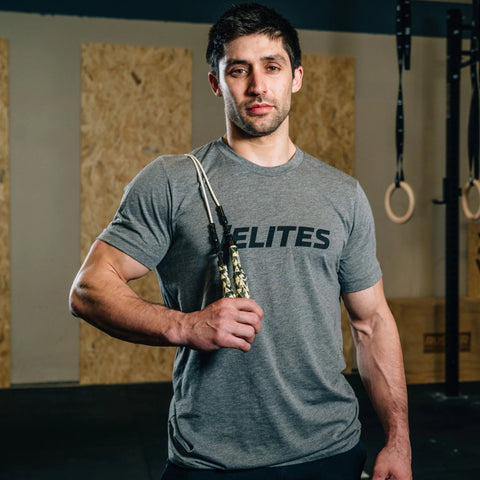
[359, 266]
[141, 226]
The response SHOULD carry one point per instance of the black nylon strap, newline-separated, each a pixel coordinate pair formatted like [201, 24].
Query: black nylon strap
[403, 39]
[473, 119]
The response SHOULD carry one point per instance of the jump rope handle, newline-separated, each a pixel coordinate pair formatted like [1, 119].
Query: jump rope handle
[227, 289]
[239, 277]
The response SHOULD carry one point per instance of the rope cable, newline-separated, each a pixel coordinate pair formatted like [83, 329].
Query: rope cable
[239, 278]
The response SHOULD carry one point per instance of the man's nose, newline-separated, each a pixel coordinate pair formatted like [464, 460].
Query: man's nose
[257, 85]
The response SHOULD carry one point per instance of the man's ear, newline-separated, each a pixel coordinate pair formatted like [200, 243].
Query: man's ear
[297, 79]
[215, 84]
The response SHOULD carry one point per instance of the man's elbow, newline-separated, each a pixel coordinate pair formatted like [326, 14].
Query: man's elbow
[73, 303]
[76, 300]
[364, 329]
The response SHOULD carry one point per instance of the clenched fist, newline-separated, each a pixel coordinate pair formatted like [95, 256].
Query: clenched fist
[226, 323]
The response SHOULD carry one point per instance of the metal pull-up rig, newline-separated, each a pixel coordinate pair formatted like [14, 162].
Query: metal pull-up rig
[451, 182]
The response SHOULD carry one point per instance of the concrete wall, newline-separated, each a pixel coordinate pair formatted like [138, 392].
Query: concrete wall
[45, 155]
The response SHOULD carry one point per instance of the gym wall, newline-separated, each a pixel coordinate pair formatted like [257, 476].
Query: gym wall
[4, 220]
[136, 103]
[45, 55]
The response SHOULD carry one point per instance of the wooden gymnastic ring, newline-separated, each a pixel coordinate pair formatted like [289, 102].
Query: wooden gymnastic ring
[411, 202]
[465, 191]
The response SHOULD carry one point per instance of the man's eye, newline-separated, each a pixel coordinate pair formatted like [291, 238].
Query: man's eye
[273, 68]
[238, 71]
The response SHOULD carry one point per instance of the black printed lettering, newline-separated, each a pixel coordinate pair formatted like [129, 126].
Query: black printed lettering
[322, 235]
[304, 233]
[257, 237]
[239, 236]
[253, 239]
[271, 233]
[286, 231]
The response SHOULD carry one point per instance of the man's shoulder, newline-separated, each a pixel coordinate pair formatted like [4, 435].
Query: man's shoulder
[328, 172]
[180, 160]
[176, 164]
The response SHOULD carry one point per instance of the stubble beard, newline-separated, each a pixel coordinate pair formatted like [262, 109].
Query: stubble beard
[259, 125]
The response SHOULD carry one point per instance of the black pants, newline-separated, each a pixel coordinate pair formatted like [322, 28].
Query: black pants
[345, 466]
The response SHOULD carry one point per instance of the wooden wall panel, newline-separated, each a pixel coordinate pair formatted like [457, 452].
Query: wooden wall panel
[473, 260]
[136, 105]
[123, 91]
[421, 323]
[4, 221]
[322, 117]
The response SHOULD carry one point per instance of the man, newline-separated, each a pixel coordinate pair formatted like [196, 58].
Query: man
[258, 389]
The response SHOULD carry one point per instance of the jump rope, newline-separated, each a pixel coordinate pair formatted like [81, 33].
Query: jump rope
[240, 284]
[403, 39]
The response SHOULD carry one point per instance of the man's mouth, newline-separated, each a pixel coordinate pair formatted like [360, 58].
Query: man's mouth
[259, 108]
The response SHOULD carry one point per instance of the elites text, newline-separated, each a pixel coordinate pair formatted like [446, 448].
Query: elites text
[281, 236]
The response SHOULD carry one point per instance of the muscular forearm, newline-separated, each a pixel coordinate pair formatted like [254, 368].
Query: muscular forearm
[101, 295]
[380, 365]
[111, 305]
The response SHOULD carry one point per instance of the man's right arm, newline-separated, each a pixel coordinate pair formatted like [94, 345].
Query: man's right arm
[100, 294]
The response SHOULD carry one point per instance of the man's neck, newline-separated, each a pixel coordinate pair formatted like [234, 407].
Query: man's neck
[267, 151]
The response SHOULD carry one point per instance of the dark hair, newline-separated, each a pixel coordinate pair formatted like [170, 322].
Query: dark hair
[249, 19]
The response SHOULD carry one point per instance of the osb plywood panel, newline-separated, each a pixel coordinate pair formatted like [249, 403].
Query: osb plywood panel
[473, 261]
[322, 116]
[421, 324]
[4, 221]
[136, 105]
[322, 124]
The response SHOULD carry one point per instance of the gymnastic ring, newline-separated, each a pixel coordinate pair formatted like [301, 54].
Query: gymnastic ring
[465, 191]
[411, 202]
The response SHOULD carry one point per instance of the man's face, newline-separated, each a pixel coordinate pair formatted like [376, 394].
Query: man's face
[255, 81]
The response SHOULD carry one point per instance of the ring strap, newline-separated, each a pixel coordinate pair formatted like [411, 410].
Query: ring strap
[473, 119]
[403, 41]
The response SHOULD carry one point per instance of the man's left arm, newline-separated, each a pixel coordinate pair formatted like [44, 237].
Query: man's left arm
[380, 364]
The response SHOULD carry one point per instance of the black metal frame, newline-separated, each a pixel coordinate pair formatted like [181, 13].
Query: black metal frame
[452, 191]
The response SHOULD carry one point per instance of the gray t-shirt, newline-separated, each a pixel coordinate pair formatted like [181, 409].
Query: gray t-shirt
[305, 233]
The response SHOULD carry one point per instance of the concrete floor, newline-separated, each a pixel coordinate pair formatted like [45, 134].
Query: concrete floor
[119, 432]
